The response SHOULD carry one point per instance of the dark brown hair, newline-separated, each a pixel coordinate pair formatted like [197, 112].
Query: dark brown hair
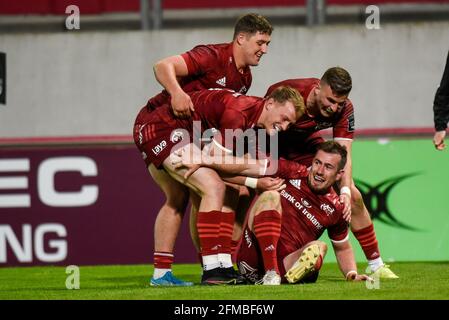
[251, 23]
[339, 80]
[335, 148]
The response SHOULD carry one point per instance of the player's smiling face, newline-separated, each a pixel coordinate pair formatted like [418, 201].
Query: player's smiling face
[328, 102]
[324, 172]
[254, 47]
[278, 116]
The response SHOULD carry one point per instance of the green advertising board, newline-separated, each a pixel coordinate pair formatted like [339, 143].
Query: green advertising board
[405, 184]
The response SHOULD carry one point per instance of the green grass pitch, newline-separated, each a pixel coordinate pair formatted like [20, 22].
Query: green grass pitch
[418, 280]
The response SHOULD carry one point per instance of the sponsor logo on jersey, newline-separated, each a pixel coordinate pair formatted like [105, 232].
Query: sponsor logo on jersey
[323, 125]
[248, 239]
[221, 82]
[243, 89]
[296, 183]
[158, 149]
[144, 155]
[141, 134]
[302, 210]
[351, 123]
[305, 203]
[176, 136]
[327, 209]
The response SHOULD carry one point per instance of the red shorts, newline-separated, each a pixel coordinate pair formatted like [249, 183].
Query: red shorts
[157, 134]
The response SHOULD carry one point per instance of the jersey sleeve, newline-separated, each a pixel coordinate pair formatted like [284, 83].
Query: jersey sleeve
[338, 232]
[231, 124]
[345, 126]
[200, 59]
[285, 169]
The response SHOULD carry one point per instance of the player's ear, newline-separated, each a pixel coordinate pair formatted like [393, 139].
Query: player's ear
[340, 174]
[240, 38]
[269, 104]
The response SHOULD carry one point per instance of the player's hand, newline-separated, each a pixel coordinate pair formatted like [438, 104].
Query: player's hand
[268, 183]
[345, 199]
[359, 277]
[182, 105]
[438, 140]
[182, 159]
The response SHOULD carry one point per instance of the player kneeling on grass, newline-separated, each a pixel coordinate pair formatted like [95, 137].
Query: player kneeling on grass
[280, 239]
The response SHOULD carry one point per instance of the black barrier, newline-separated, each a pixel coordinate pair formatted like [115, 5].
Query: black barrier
[3, 77]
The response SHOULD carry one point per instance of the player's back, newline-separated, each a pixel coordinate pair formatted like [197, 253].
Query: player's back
[225, 109]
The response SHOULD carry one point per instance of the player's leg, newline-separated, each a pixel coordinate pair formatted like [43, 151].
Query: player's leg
[265, 221]
[303, 265]
[226, 231]
[363, 229]
[209, 186]
[246, 197]
[166, 227]
[195, 204]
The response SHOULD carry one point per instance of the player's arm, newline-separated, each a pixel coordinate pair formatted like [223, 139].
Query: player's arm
[346, 262]
[167, 71]
[217, 157]
[441, 109]
[346, 180]
[261, 184]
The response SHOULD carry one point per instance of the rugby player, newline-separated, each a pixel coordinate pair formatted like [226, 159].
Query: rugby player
[205, 66]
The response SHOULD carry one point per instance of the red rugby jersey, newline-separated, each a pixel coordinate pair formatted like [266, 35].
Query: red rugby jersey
[305, 215]
[209, 66]
[342, 122]
[226, 110]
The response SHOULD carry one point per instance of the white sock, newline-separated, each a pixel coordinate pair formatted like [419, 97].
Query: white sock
[375, 264]
[210, 262]
[225, 260]
[158, 273]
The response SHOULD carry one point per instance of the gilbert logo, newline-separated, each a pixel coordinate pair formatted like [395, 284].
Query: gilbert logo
[158, 149]
[221, 82]
[376, 200]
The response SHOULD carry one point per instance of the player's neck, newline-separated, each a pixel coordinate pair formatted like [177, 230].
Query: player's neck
[238, 58]
[311, 104]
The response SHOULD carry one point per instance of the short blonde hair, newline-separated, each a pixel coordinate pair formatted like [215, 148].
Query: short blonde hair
[286, 93]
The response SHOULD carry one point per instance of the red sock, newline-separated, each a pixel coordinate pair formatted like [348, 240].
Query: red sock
[162, 260]
[208, 225]
[368, 242]
[226, 228]
[267, 228]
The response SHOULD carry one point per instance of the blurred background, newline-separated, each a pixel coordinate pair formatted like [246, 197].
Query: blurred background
[73, 187]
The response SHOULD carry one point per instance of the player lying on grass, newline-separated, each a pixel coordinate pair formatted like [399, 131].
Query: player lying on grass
[280, 238]
[158, 134]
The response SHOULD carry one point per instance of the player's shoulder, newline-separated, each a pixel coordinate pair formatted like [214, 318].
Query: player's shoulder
[332, 199]
[218, 50]
[297, 83]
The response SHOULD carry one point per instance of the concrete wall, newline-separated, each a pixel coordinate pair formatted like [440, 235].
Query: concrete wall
[72, 84]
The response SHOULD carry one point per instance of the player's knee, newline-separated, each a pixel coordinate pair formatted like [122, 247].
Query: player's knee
[177, 203]
[214, 187]
[269, 200]
[356, 199]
